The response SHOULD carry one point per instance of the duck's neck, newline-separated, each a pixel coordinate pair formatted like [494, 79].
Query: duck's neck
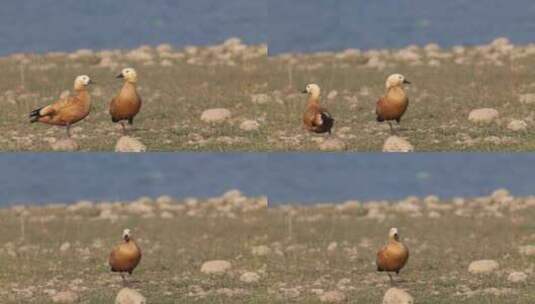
[313, 101]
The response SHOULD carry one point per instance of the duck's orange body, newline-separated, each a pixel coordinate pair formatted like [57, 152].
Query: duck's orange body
[126, 256]
[316, 118]
[393, 105]
[392, 257]
[126, 105]
[68, 111]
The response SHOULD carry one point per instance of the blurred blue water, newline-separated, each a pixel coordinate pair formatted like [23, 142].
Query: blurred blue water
[287, 25]
[318, 25]
[283, 177]
[66, 25]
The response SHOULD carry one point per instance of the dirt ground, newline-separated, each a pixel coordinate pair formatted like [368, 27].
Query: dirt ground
[447, 84]
[332, 247]
[53, 249]
[176, 86]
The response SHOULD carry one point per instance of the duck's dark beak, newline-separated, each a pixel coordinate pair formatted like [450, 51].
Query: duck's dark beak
[91, 81]
[304, 91]
[406, 81]
[120, 76]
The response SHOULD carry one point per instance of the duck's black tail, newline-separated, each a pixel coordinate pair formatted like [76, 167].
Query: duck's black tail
[34, 115]
[328, 122]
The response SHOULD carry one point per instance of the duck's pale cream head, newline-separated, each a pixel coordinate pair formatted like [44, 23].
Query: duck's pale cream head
[393, 234]
[126, 235]
[395, 80]
[313, 90]
[129, 74]
[81, 82]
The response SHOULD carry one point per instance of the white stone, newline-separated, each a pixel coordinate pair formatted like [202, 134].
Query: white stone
[216, 115]
[332, 144]
[397, 296]
[517, 277]
[66, 297]
[333, 296]
[66, 145]
[517, 125]
[332, 94]
[215, 267]
[129, 144]
[332, 246]
[483, 266]
[65, 246]
[249, 277]
[249, 125]
[130, 296]
[397, 144]
[483, 115]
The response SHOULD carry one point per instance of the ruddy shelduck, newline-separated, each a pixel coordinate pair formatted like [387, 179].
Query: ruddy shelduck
[68, 111]
[127, 103]
[394, 103]
[125, 257]
[316, 118]
[393, 256]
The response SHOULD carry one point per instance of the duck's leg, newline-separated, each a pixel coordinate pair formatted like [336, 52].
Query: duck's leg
[123, 128]
[392, 283]
[392, 131]
[68, 128]
[125, 283]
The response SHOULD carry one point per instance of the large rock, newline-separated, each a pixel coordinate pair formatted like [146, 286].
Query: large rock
[66, 145]
[517, 277]
[215, 267]
[332, 144]
[249, 125]
[217, 115]
[397, 296]
[483, 266]
[517, 125]
[483, 115]
[66, 297]
[397, 144]
[129, 144]
[129, 296]
[249, 277]
[333, 296]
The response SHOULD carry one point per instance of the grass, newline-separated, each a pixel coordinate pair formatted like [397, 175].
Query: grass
[32, 264]
[437, 271]
[443, 239]
[441, 97]
[173, 99]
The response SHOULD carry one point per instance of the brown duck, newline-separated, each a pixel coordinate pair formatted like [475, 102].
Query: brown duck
[394, 103]
[68, 111]
[393, 256]
[125, 257]
[127, 103]
[316, 118]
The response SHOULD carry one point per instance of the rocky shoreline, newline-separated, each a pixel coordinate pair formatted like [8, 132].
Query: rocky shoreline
[231, 52]
[496, 52]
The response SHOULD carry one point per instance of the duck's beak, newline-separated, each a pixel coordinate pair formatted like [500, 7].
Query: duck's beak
[304, 91]
[406, 81]
[120, 76]
[91, 81]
